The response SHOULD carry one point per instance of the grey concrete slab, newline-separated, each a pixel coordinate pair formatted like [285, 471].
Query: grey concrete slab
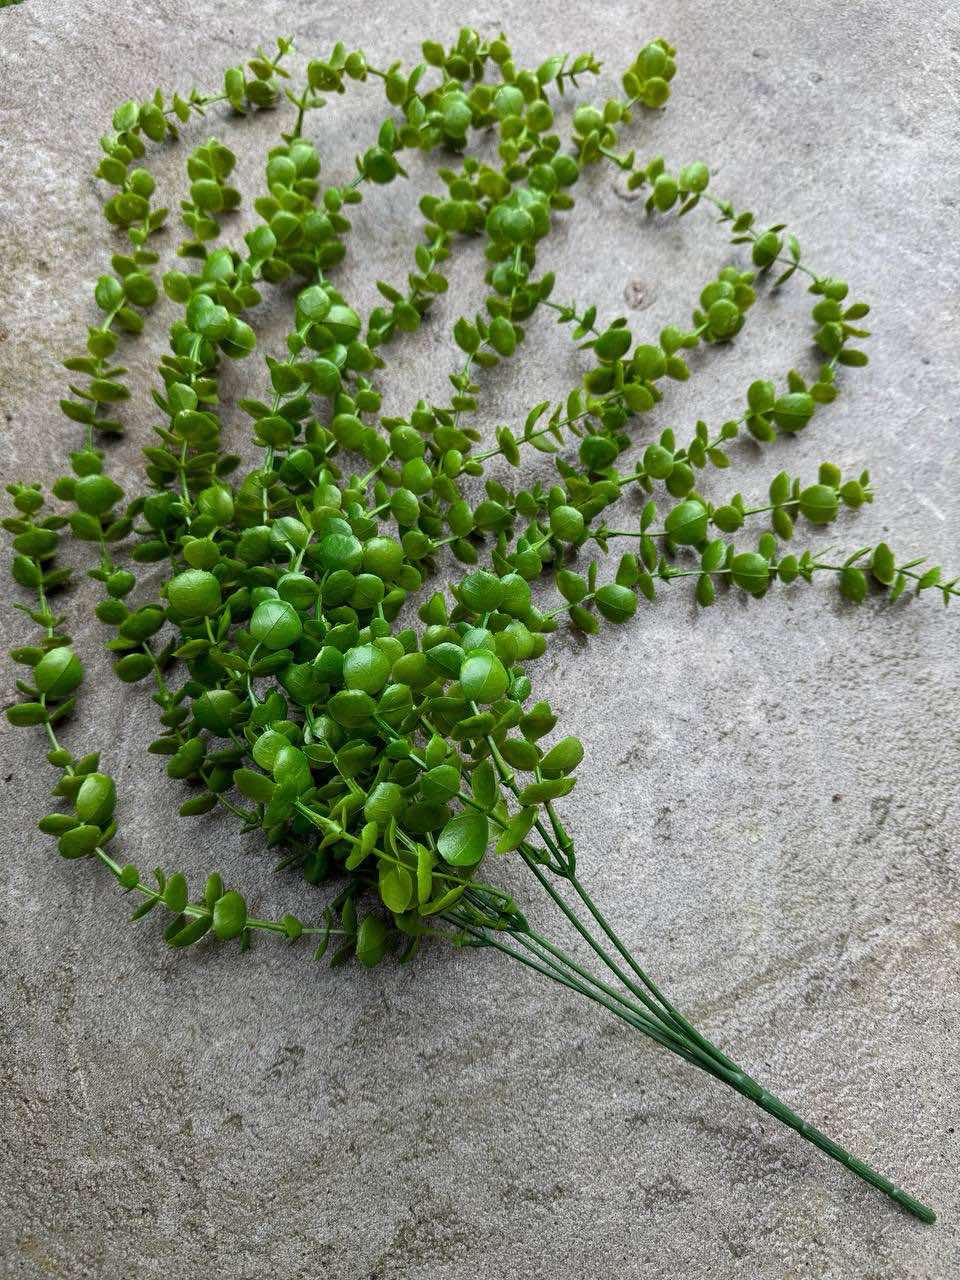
[769, 800]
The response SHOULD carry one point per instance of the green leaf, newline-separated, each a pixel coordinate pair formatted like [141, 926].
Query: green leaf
[897, 590]
[616, 603]
[190, 932]
[396, 886]
[706, 592]
[563, 757]
[572, 586]
[853, 584]
[502, 336]
[687, 523]
[780, 488]
[515, 832]
[484, 785]
[463, 841]
[371, 943]
[255, 786]
[714, 556]
[751, 571]
[229, 915]
[425, 863]
[24, 714]
[466, 336]
[539, 792]
[126, 116]
[96, 799]
[79, 842]
[444, 900]
[175, 893]
[882, 564]
[133, 667]
[520, 753]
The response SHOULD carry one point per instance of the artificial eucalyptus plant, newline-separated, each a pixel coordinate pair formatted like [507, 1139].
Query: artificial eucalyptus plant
[384, 760]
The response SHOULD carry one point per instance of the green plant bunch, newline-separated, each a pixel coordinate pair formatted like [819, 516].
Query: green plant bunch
[312, 679]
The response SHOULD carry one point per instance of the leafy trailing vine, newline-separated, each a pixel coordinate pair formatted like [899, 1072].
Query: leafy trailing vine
[383, 759]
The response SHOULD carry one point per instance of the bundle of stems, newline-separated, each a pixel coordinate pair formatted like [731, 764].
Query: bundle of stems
[384, 759]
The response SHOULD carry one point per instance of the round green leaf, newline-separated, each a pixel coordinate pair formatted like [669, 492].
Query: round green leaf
[58, 672]
[193, 594]
[751, 571]
[275, 624]
[371, 941]
[366, 667]
[396, 887]
[229, 915]
[96, 799]
[793, 411]
[563, 757]
[483, 676]
[79, 842]
[463, 841]
[687, 523]
[819, 503]
[616, 603]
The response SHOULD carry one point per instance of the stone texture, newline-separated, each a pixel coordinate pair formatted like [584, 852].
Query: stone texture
[768, 803]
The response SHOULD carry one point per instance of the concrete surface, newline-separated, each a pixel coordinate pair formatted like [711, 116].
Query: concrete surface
[768, 804]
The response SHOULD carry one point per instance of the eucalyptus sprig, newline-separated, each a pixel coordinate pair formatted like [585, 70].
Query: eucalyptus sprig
[387, 753]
